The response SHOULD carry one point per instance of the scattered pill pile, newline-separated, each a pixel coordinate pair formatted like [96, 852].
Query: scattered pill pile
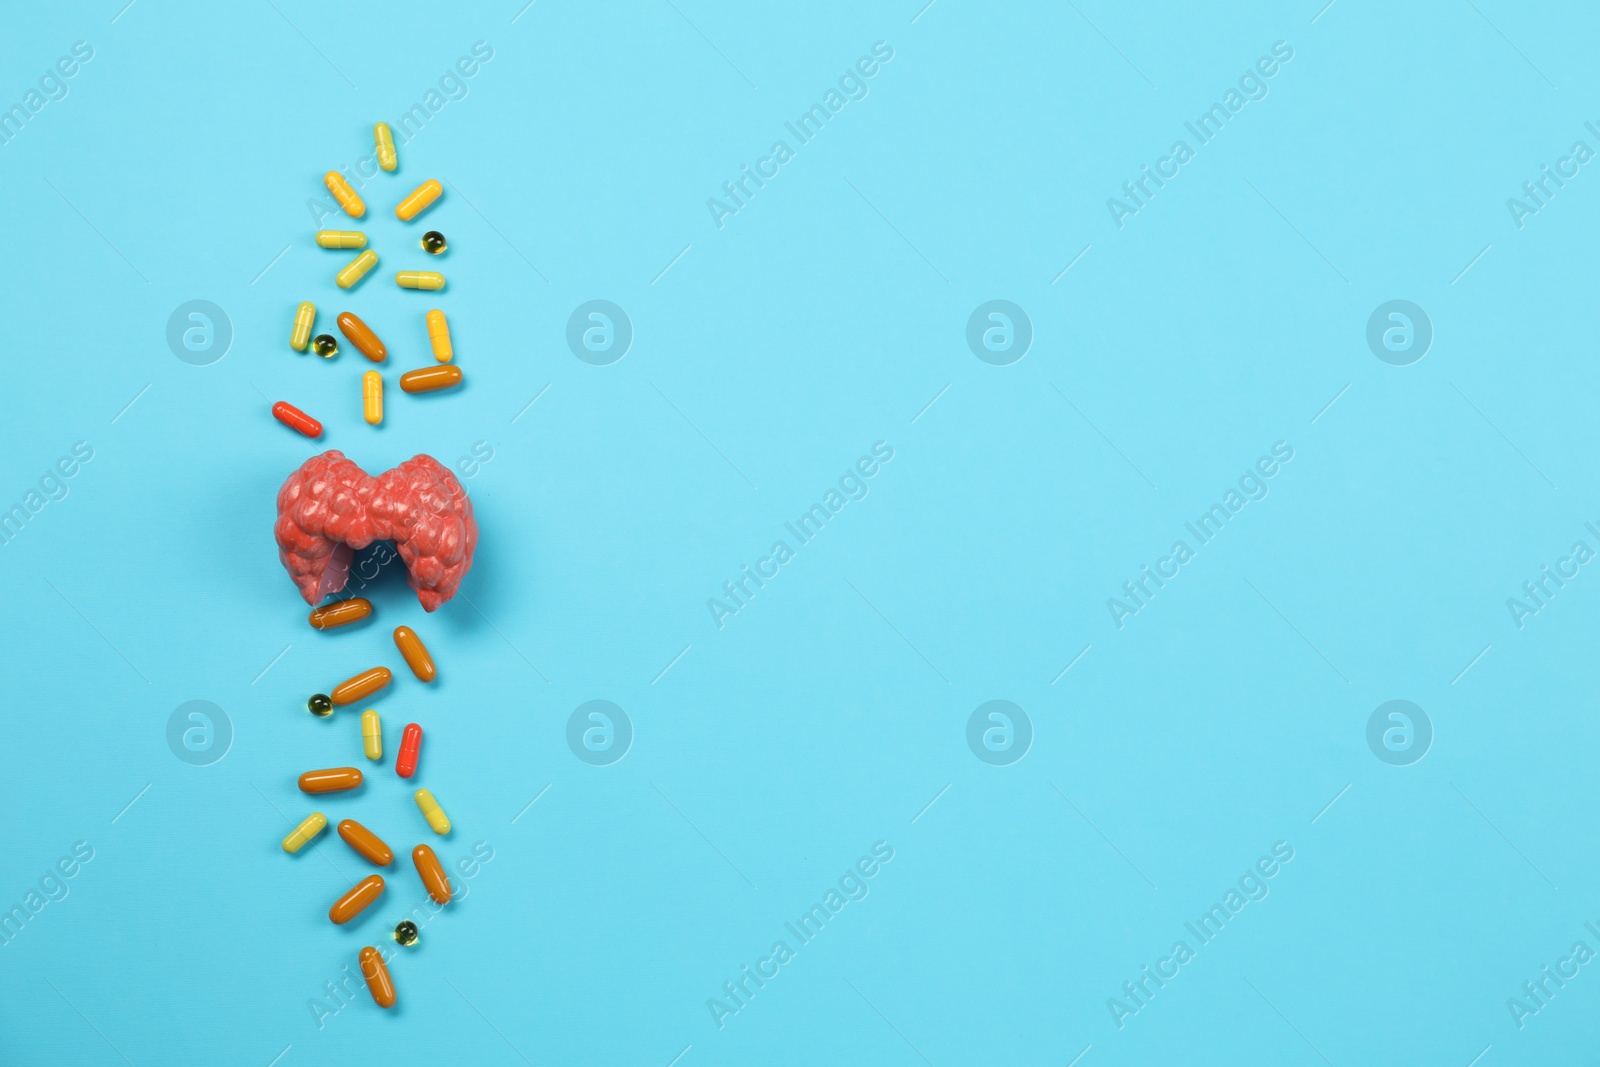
[358, 333]
[362, 840]
[443, 374]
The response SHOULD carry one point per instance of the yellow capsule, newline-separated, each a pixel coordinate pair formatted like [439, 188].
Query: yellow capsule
[344, 194]
[419, 200]
[357, 269]
[341, 239]
[383, 138]
[372, 734]
[372, 397]
[315, 823]
[433, 812]
[304, 318]
[439, 336]
[419, 279]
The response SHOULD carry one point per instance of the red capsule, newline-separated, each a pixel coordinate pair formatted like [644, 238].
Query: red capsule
[296, 419]
[405, 765]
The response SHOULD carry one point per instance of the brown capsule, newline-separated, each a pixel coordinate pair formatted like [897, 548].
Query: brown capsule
[362, 685]
[361, 335]
[432, 872]
[353, 903]
[376, 972]
[427, 379]
[343, 613]
[415, 652]
[365, 842]
[331, 780]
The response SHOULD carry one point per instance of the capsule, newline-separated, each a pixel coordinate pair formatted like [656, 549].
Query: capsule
[362, 685]
[405, 933]
[427, 379]
[439, 336]
[372, 734]
[296, 419]
[405, 764]
[305, 317]
[432, 872]
[356, 269]
[367, 844]
[344, 194]
[330, 780]
[372, 397]
[419, 279]
[433, 243]
[373, 969]
[432, 812]
[325, 345]
[320, 705]
[416, 654]
[341, 239]
[383, 141]
[315, 823]
[419, 200]
[362, 337]
[353, 903]
[343, 613]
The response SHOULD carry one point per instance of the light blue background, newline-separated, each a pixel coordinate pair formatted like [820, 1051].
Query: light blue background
[827, 714]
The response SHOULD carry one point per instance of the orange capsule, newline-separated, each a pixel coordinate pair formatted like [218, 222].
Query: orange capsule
[343, 613]
[330, 780]
[416, 654]
[344, 194]
[432, 872]
[362, 685]
[421, 197]
[427, 379]
[368, 844]
[353, 903]
[362, 337]
[376, 972]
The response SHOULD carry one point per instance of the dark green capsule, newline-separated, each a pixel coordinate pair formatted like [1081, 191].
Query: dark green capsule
[325, 345]
[320, 705]
[433, 242]
[406, 933]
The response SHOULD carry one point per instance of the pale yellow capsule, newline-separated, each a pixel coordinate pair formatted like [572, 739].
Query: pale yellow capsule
[421, 197]
[344, 194]
[341, 239]
[372, 734]
[419, 279]
[372, 397]
[433, 812]
[304, 318]
[357, 269]
[315, 823]
[439, 336]
[383, 139]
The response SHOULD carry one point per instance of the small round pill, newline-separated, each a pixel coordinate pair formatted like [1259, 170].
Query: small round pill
[325, 345]
[320, 705]
[406, 933]
[433, 242]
